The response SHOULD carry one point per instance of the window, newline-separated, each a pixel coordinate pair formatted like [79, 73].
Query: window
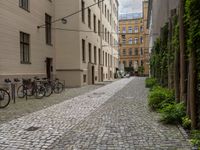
[24, 48]
[105, 10]
[83, 11]
[95, 24]
[48, 29]
[106, 59]
[84, 78]
[89, 18]
[90, 51]
[130, 63]
[99, 28]
[141, 28]
[142, 63]
[124, 30]
[24, 4]
[141, 51]
[124, 62]
[103, 58]
[124, 52]
[136, 40]
[141, 39]
[99, 3]
[130, 52]
[83, 50]
[124, 41]
[136, 30]
[136, 51]
[99, 56]
[130, 30]
[95, 54]
[130, 41]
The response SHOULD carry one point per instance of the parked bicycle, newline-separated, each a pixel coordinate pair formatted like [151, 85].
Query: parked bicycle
[31, 88]
[53, 85]
[4, 95]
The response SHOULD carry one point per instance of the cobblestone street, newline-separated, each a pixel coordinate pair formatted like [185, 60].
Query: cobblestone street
[114, 116]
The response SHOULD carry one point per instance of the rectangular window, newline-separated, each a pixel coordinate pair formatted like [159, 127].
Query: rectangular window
[24, 4]
[124, 30]
[48, 29]
[90, 51]
[136, 30]
[106, 59]
[103, 59]
[95, 54]
[83, 50]
[24, 48]
[136, 40]
[99, 56]
[95, 24]
[105, 10]
[84, 78]
[130, 30]
[83, 11]
[99, 28]
[89, 18]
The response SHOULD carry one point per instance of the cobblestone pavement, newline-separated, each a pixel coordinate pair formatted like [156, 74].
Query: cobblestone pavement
[51, 124]
[23, 107]
[124, 122]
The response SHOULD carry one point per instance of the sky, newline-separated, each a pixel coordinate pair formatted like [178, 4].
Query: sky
[129, 6]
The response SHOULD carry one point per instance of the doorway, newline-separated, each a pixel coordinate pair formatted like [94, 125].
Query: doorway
[49, 67]
[93, 75]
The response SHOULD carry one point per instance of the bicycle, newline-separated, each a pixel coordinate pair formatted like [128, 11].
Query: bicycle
[57, 86]
[30, 88]
[4, 98]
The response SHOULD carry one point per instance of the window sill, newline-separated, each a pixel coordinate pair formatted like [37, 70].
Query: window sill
[49, 44]
[26, 63]
[25, 9]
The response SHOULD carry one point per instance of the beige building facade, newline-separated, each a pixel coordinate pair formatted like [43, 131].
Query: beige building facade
[23, 47]
[134, 40]
[87, 56]
[78, 49]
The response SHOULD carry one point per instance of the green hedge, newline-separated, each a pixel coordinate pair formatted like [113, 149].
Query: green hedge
[151, 82]
[159, 97]
[173, 113]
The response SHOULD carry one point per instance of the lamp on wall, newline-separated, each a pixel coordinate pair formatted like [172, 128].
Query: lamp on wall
[64, 21]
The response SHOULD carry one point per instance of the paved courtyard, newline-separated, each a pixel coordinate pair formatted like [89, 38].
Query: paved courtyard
[114, 116]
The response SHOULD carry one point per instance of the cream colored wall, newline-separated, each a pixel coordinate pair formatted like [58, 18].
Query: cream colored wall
[15, 19]
[67, 43]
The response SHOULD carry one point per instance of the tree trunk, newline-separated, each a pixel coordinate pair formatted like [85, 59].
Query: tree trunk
[177, 75]
[193, 88]
[182, 52]
[188, 96]
[170, 51]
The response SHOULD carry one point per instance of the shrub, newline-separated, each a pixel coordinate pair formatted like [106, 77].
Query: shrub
[195, 138]
[151, 82]
[186, 122]
[159, 97]
[172, 113]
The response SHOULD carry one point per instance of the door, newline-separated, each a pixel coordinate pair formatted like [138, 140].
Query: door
[49, 67]
[93, 75]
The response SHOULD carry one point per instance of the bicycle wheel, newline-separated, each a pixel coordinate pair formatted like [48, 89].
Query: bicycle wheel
[48, 90]
[21, 91]
[39, 92]
[4, 98]
[59, 87]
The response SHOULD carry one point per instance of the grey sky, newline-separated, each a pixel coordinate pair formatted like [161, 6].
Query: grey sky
[128, 6]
